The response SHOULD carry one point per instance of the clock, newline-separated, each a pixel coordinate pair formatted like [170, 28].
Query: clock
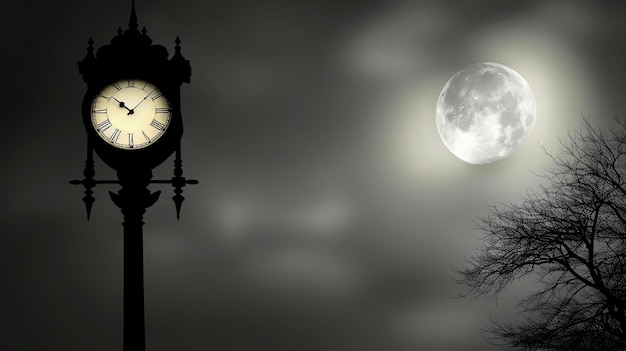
[130, 114]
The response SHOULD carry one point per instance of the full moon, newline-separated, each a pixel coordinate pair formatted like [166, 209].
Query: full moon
[484, 112]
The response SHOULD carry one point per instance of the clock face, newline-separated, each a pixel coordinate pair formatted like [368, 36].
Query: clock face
[130, 114]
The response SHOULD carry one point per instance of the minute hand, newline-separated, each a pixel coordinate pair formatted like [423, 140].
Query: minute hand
[144, 99]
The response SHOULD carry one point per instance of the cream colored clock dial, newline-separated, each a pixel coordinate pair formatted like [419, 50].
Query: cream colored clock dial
[130, 114]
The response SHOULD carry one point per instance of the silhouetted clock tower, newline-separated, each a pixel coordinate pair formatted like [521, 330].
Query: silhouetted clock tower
[132, 116]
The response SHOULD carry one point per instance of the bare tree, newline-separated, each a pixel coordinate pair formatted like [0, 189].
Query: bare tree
[570, 237]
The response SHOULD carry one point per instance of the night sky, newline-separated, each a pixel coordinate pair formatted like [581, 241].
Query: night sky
[329, 214]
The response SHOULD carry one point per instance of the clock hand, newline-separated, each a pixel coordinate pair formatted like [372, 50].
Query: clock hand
[122, 104]
[142, 100]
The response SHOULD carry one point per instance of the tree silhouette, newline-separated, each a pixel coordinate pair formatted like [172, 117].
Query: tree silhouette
[570, 238]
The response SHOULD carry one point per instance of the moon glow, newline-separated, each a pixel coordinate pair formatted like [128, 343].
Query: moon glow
[484, 112]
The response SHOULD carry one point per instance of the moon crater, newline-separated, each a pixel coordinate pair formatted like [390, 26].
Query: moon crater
[484, 112]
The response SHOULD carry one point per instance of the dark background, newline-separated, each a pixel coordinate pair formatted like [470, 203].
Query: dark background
[329, 214]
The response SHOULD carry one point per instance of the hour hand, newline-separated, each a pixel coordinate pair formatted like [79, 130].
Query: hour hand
[122, 104]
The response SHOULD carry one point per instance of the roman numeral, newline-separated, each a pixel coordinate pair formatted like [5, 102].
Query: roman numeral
[130, 139]
[156, 124]
[108, 98]
[145, 136]
[158, 95]
[162, 110]
[131, 83]
[115, 135]
[104, 125]
[117, 86]
[100, 110]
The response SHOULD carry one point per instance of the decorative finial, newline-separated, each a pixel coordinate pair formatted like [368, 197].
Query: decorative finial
[90, 47]
[88, 182]
[144, 31]
[178, 182]
[132, 22]
[183, 69]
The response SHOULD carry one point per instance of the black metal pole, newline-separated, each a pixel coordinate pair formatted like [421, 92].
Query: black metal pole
[133, 200]
[134, 322]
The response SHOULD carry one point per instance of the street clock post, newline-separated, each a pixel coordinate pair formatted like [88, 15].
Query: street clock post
[132, 115]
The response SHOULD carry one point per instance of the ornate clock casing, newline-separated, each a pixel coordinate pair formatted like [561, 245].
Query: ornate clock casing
[150, 82]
